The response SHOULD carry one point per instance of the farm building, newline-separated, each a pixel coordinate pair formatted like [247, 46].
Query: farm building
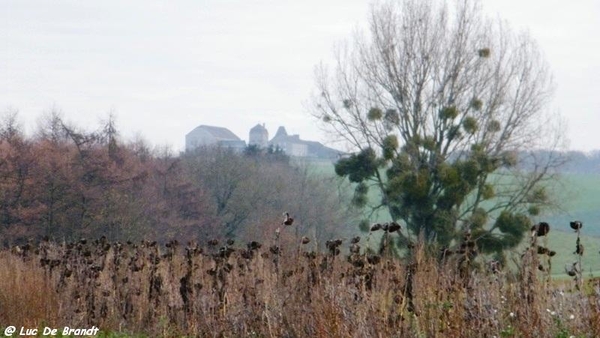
[294, 146]
[259, 135]
[203, 136]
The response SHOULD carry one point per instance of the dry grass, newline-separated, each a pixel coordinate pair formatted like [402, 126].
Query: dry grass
[26, 294]
[239, 291]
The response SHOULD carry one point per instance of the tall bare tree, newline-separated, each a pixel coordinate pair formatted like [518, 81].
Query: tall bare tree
[443, 108]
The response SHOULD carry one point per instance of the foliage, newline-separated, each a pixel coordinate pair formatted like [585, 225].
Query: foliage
[66, 183]
[249, 189]
[270, 154]
[444, 108]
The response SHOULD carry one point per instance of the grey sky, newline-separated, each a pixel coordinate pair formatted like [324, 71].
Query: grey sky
[166, 67]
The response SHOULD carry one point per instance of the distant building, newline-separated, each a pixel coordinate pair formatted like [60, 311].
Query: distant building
[259, 136]
[292, 145]
[208, 135]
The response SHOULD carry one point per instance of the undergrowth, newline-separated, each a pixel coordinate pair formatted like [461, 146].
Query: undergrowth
[283, 289]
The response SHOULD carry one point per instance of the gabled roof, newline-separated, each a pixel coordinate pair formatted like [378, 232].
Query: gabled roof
[280, 136]
[315, 148]
[320, 150]
[258, 128]
[219, 133]
[281, 132]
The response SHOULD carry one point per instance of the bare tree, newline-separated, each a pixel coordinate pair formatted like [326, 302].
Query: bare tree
[451, 104]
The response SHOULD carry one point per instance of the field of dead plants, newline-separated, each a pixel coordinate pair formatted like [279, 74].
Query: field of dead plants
[281, 288]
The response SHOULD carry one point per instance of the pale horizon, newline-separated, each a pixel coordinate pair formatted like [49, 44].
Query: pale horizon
[166, 68]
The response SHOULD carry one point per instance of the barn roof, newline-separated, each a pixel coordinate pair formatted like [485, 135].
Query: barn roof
[219, 133]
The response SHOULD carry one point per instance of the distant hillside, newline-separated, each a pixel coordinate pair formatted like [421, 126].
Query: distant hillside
[579, 197]
[579, 162]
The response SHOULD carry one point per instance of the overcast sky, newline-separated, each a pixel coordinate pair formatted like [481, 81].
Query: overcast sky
[165, 67]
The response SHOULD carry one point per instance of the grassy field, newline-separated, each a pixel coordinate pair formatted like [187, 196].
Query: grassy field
[283, 289]
[579, 198]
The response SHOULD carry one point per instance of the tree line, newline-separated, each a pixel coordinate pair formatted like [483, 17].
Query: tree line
[65, 182]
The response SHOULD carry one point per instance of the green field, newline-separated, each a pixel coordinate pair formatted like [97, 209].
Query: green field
[578, 197]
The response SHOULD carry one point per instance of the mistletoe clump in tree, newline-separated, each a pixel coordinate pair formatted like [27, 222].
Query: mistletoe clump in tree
[446, 112]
